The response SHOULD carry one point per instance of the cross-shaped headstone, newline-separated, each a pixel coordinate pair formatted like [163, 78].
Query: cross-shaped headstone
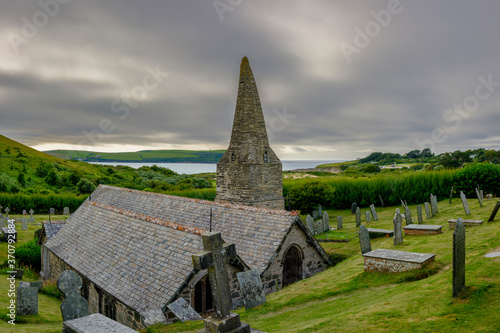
[214, 259]
[7, 210]
[31, 212]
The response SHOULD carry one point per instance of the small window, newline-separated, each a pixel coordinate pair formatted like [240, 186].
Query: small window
[233, 157]
[266, 157]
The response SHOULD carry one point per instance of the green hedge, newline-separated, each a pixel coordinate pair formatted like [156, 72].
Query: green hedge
[40, 203]
[486, 175]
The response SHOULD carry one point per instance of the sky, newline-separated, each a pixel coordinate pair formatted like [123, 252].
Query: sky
[337, 79]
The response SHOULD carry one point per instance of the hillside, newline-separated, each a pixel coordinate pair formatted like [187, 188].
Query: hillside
[144, 156]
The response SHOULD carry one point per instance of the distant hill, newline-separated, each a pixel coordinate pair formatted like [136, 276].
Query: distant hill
[144, 156]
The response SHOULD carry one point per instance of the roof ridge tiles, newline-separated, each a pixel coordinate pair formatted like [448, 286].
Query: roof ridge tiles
[150, 219]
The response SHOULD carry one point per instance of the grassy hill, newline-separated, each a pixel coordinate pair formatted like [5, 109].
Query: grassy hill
[145, 156]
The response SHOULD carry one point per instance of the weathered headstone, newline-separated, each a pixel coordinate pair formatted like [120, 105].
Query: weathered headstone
[482, 194]
[381, 201]
[24, 212]
[7, 210]
[408, 216]
[458, 258]
[427, 210]
[320, 210]
[358, 217]
[74, 305]
[24, 224]
[464, 203]
[326, 222]
[435, 205]
[373, 212]
[451, 193]
[479, 199]
[368, 216]
[27, 300]
[403, 204]
[183, 311]
[66, 211]
[310, 224]
[398, 228]
[251, 288]
[315, 214]
[364, 239]
[339, 222]
[494, 211]
[32, 219]
[52, 211]
[354, 206]
[318, 226]
[419, 214]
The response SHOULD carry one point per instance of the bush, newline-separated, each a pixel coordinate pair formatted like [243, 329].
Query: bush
[29, 254]
[307, 196]
[486, 175]
[85, 186]
[49, 287]
[371, 168]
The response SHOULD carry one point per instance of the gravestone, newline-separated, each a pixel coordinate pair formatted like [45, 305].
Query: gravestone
[251, 288]
[479, 198]
[318, 226]
[354, 206]
[435, 201]
[320, 210]
[315, 214]
[310, 224]
[326, 222]
[494, 211]
[358, 217]
[364, 239]
[24, 212]
[214, 260]
[7, 210]
[32, 219]
[464, 203]
[24, 224]
[427, 210]
[408, 216]
[451, 193]
[381, 201]
[403, 204]
[183, 311]
[52, 211]
[74, 305]
[419, 214]
[27, 300]
[373, 212]
[66, 211]
[398, 228]
[339, 222]
[458, 258]
[482, 194]
[367, 216]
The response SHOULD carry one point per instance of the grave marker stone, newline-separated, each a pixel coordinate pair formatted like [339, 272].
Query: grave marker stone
[479, 198]
[24, 212]
[419, 214]
[434, 208]
[381, 201]
[373, 212]
[354, 206]
[24, 224]
[52, 211]
[358, 217]
[27, 300]
[320, 210]
[427, 210]
[310, 224]
[326, 222]
[464, 203]
[318, 226]
[66, 211]
[339, 222]
[458, 258]
[367, 216]
[408, 216]
[32, 219]
[451, 193]
[494, 211]
[183, 311]
[74, 305]
[398, 228]
[315, 214]
[482, 194]
[364, 239]
[7, 210]
[251, 288]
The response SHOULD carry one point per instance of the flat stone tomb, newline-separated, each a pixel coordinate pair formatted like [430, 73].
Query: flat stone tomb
[423, 229]
[96, 323]
[387, 232]
[467, 223]
[392, 261]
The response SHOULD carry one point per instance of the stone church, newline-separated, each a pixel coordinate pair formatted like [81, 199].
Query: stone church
[133, 248]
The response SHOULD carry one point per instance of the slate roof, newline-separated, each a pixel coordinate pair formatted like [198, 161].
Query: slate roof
[137, 245]
[52, 228]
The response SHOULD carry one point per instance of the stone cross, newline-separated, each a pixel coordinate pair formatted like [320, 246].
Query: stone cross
[479, 197]
[320, 210]
[24, 224]
[368, 216]
[464, 203]
[364, 240]
[374, 212]
[74, 305]
[354, 206]
[214, 259]
[310, 224]
[66, 211]
[358, 217]
[419, 214]
[427, 210]
[52, 211]
[494, 211]
[32, 219]
[326, 222]
[458, 258]
[408, 216]
[398, 228]
[27, 300]
[7, 210]
[339, 222]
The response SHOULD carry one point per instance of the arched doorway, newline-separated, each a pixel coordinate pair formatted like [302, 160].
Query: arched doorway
[202, 297]
[292, 266]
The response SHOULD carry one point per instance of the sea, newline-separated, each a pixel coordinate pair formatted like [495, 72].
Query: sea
[193, 168]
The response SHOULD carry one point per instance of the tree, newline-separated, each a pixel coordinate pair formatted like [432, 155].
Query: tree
[413, 154]
[426, 152]
[21, 180]
[307, 196]
[85, 186]
[53, 177]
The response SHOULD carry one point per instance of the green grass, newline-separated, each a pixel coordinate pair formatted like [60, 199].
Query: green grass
[347, 299]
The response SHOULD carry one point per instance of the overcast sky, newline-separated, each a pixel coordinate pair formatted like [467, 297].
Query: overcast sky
[337, 79]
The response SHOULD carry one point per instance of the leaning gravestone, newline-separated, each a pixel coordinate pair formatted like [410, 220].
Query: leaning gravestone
[7, 210]
[451, 193]
[74, 305]
[419, 214]
[251, 288]
[326, 222]
[367, 216]
[427, 210]
[458, 258]
[358, 217]
[52, 211]
[339, 222]
[310, 224]
[183, 311]
[320, 210]
[398, 228]
[408, 216]
[374, 212]
[479, 198]
[354, 206]
[24, 224]
[27, 300]
[494, 212]
[464, 203]
[66, 211]
[364, 239]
